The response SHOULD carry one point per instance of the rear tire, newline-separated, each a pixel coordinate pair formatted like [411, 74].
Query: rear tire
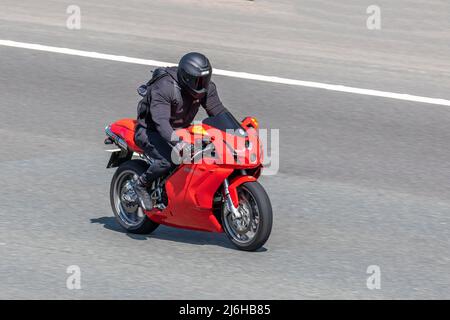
[141, 224]
[261, 214]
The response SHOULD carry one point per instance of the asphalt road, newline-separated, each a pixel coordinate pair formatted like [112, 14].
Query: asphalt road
[362, 181]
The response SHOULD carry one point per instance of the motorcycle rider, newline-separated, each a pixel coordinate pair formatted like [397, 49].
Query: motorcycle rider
[172, 100]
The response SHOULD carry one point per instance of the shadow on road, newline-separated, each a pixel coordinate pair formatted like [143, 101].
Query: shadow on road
[172, 234]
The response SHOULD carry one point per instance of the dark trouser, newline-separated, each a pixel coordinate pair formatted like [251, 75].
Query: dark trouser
[156, 148]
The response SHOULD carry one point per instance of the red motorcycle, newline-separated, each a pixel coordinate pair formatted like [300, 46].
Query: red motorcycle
[216, 190]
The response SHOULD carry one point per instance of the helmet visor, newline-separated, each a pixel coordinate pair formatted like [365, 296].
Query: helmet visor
[197, 83]
[202, 82]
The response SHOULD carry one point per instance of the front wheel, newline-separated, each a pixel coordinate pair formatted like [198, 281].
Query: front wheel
[252, 230]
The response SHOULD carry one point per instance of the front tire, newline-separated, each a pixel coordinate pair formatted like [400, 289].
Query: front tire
[250, 232]
[128, 213]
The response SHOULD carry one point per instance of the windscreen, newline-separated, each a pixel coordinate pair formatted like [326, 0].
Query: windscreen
[225, 121]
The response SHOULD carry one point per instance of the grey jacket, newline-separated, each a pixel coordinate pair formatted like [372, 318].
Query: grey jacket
[171, 108]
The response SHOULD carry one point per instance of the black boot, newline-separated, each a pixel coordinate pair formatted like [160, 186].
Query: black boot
[144, 197]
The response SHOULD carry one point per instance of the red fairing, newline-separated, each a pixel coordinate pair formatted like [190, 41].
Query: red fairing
[125, 128]
[190, 191]
[225, 144]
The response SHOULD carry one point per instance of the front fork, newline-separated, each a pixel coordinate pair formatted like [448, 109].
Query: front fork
[229, 202]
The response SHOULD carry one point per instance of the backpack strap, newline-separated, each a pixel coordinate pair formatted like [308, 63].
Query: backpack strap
[158, 73]
[143, 106]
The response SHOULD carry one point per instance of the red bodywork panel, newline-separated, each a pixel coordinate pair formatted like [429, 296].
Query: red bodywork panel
[126, 128]
[190, 191]
[191, 188]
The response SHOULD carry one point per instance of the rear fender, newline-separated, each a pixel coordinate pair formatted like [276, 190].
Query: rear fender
[234, 184]
[118, 157]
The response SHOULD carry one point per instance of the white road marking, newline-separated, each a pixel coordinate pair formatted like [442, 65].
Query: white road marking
[234, 74]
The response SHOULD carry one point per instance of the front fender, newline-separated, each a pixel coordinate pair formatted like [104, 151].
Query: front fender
[234, 184]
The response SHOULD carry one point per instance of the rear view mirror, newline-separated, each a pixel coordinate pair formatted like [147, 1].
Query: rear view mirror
[250, 122]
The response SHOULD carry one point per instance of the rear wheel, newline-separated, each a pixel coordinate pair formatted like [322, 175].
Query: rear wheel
[252, 230]
[124, 201]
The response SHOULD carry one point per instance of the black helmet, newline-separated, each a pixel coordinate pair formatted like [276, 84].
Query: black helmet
[194, 74]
